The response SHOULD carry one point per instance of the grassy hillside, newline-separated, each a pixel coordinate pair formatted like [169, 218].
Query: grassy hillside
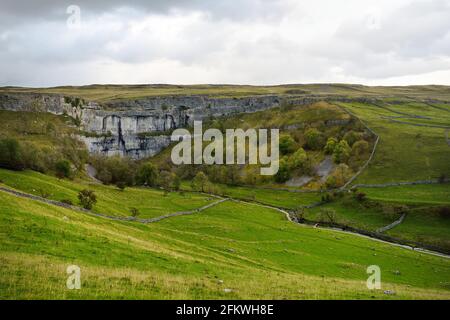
[295, 124]
[104, 93]
[405, 152]
[110, 200]
[253, 251]
[438, 194]
[250, 250]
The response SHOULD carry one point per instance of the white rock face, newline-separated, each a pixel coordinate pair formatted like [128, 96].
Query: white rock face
[135, 128]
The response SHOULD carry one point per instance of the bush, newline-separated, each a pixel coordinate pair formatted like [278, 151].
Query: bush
[331, 144]
[121, 185]
[87, 198]
[360, 148]
[299, 160]
[314, 139]
[341, 152]
[200, 182]
[134, 212]
[286, 145]
[63, 169]
[360, 196]
[168, 181]
[10, 154]
[299, 214]
[340, 174]
[147, 174]
[284, 172]
[351, 137]
[115, 170]
[327, 197]
[327, 215]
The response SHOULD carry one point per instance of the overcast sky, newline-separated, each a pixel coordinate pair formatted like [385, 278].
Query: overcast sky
[382, 42]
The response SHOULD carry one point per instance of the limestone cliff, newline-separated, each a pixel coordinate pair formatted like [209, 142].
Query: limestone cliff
[136, 128]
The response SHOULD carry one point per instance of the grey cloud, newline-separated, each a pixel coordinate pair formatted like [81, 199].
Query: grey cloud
[17, 11]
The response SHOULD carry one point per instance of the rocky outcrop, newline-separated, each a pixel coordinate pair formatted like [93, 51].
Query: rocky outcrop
[136, 128]
[141, 127]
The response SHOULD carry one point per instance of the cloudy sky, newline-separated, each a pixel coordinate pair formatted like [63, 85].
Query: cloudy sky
[382, 42]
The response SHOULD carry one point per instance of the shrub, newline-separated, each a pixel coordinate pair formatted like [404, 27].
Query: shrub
[10, 154]
[331, 144]
[116, 170]
[327, 197]
[63, 169]
[299, 214]
[340, 174]
[360, 148]
[200, 182]
[314, 139]
[147, 174]
[351, 137]
[166, 180]
[327, 215]
[121, 185]
[284, 172]
[87, 198]
[299, 159]
[134, 212]
[360, 196]
[341, 152]
[287, 144]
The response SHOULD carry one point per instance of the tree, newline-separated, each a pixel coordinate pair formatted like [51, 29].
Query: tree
[299, 159]
[231, 174]
[166, 180]
[360, 148]
[176, 183]
[87, 198]
[200, 182]
[147, 174]
[331, 144]
[340, 174]
[284, 172]
[351, 137]
[314, 139]
[327, 215]
[134, 212]
[63, 169]
[10, 154]
[286, 144]
[341, 152]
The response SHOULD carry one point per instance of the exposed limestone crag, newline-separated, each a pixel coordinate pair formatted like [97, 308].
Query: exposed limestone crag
[137, 128]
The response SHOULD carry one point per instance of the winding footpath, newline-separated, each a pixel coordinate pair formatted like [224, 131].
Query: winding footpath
[198, 210]
[102, 215]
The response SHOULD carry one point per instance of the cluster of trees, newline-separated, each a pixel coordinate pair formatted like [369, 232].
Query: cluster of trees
[124, 172]
[63, 160]
[351, 149]
[339, 176]
[297, 161]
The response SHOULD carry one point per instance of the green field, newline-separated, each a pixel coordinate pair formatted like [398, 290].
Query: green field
[253, 251]
[104, 93]
[405, 152]
[438, 194]
[111, 201]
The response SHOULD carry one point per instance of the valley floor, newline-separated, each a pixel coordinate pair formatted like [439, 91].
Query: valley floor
[230, 251]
